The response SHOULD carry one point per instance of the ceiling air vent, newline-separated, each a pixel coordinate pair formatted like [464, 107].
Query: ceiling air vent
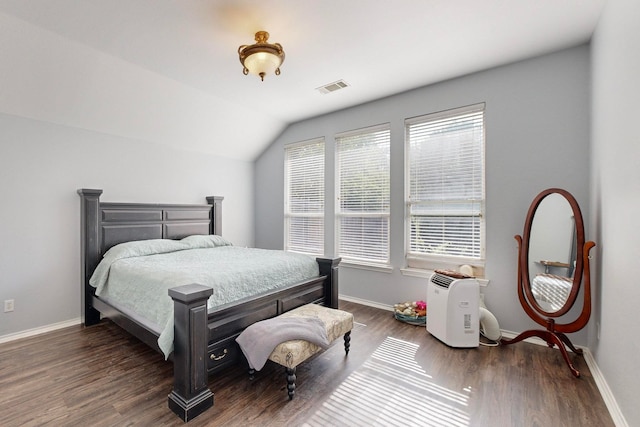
[332, 87]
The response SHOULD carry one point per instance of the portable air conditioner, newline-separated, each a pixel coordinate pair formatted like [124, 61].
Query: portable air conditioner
[453, 310]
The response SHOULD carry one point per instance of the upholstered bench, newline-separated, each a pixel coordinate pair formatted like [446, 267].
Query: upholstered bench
[291, 353]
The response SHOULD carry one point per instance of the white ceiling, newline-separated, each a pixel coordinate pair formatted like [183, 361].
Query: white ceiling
[189, 48]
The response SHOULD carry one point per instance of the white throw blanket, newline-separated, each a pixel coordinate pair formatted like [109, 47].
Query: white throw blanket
[258, 340]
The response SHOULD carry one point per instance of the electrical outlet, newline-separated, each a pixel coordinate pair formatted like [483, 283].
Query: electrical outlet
[8, 305]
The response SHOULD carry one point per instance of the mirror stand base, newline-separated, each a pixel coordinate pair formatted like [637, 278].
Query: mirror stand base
[552, 339]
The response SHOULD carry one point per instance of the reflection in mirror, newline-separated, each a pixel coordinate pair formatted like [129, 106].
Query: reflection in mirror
[552, 252]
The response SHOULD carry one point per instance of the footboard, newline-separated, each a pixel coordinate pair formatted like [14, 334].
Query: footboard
[228, 321]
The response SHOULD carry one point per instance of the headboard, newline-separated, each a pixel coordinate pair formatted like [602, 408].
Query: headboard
[107, 224]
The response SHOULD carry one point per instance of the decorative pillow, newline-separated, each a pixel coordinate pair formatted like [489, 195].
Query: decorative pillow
[205, 241]
[144, 247]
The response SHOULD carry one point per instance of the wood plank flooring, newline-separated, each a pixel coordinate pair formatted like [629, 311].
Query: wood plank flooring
[395, 374]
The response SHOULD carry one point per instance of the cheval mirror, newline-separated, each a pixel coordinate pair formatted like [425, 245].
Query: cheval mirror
[553, 259]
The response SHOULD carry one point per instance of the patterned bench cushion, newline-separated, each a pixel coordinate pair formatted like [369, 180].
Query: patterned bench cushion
[291, 353]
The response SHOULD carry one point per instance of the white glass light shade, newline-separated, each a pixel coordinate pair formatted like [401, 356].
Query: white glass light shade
[262, 63]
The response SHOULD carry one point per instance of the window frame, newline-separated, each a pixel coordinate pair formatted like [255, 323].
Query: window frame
[313, 214]
[349, 259]
[423, 261]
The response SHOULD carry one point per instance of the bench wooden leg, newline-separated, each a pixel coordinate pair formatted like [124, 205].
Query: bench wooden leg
[347, 342]
[291, 382]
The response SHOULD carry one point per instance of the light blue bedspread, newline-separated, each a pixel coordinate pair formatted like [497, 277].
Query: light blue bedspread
[138, 275]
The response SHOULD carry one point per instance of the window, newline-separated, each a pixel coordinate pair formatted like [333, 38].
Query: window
[304, 197]
[445, 207]
[362, 219]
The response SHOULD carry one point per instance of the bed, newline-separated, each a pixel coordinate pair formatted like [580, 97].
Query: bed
[203, 340]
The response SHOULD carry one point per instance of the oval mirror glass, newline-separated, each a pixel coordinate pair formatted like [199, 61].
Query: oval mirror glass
[552, 253]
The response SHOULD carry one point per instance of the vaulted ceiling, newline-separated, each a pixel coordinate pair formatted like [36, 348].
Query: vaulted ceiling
[167, 71]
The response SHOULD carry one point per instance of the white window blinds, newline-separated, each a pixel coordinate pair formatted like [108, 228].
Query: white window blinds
[363, 195]
[446, 185]
[304, 197]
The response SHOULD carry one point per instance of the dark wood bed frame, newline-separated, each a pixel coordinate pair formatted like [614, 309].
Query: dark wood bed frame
[204, 340]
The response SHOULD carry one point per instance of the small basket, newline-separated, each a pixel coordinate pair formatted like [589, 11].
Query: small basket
[412, 320]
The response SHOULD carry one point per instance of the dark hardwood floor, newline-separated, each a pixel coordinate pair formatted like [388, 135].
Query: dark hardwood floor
[395, 374]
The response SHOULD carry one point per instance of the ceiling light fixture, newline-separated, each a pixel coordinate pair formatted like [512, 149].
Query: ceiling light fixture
[261, 58]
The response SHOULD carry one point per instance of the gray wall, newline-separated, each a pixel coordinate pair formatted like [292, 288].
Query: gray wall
[41, 167]
[71, 117]
[615, 190]
[537, 133]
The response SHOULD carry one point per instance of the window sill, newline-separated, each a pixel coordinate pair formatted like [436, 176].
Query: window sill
[418, 272]
[364, 266]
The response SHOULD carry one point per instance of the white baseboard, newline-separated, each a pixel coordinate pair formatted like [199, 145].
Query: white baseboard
[366, 302]
[39, 330]
[598, 377]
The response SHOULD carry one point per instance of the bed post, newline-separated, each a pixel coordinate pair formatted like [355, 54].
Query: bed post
[216, 221]
[190, 395]
[90, 247]
[329, 267]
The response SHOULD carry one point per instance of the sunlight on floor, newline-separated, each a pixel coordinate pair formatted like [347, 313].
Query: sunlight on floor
[392, 389]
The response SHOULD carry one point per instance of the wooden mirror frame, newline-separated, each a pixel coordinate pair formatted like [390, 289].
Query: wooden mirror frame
[554, 334]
